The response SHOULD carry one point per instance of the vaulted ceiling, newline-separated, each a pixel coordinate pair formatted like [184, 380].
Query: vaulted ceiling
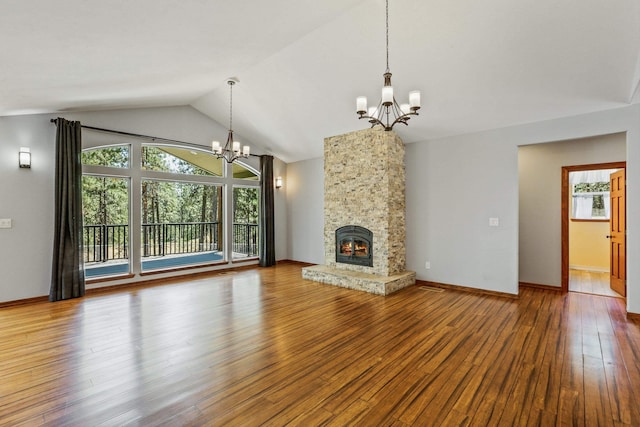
[301, 63]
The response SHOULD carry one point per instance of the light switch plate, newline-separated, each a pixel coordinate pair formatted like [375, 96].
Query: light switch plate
[494, 222]
[5, 222]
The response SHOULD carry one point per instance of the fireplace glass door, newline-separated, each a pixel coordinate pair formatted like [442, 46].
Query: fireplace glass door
[354, 245]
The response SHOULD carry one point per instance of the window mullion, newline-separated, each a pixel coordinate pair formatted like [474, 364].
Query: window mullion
[136, 208]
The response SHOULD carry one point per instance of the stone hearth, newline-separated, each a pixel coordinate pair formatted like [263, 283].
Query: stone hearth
[379, 285]
[364, 185]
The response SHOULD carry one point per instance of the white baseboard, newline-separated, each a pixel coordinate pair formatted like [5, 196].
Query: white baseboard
[588, 268]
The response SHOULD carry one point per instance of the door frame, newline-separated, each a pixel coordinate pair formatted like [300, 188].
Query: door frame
[565, 211]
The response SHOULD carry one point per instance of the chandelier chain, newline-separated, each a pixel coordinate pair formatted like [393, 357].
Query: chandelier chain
[387, 24]
[231, 106]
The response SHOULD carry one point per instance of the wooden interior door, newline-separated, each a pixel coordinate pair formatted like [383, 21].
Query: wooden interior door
[617, 234]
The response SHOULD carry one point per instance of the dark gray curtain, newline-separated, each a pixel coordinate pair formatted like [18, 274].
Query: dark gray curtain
[67, 276]
[267, 223]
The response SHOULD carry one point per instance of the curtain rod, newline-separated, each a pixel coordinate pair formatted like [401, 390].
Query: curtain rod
[137, 135]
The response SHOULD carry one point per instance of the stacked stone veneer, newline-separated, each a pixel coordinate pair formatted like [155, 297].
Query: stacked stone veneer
[364, 184]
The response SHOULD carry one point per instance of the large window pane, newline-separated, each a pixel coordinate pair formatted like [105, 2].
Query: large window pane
[105, 215]
[115, 157]
[180, 160]
[245, 222]
[181, 224]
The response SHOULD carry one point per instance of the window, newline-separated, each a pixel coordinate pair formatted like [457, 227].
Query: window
[176, 197]
[105, 215]
[241, 172]
[115, 156]
[589, 200]
[590, 194]
[181, 224]
[245, 222]
[180, 160]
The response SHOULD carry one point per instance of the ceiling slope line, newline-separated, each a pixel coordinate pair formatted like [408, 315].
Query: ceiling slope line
[635, 94]
[635, 89]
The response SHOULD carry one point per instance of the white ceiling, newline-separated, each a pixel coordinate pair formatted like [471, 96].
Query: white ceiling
[301, 63]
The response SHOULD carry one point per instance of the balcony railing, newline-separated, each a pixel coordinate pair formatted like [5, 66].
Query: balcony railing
[245, 239]
[106, 242]
[179, 238]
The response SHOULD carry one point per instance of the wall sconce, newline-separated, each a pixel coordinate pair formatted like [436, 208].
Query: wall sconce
[24, 157]
[279, 182]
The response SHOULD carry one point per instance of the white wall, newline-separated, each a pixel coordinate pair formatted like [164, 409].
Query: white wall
[540, 177]
[280, 211]
[454, 185]
[26, 196]
[305, 210]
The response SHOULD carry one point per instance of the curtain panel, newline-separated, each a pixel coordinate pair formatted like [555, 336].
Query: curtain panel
[607, 205]
[583, 206]
[67, 275]
[267, 222]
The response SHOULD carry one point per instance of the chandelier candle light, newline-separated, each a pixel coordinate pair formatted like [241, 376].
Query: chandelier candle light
[388, 112]
[232, 149]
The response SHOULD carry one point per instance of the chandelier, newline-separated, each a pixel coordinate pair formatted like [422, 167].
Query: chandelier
[388, 112]
[232, 150]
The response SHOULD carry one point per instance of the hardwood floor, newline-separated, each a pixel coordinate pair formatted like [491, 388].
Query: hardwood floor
[591, 282]
[264, 347]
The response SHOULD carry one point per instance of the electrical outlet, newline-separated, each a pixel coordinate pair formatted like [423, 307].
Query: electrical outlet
[5, 222]
[427, 265]
[494, 222]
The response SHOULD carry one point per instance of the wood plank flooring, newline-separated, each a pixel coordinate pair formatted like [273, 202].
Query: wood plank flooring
[265, 347]
[591, 282]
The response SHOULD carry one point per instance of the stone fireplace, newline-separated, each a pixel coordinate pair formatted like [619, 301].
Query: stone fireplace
[364, 206]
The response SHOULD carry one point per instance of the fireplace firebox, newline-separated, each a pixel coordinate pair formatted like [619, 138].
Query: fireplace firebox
[354, 245]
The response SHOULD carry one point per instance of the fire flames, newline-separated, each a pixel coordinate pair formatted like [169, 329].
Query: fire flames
[347, 248]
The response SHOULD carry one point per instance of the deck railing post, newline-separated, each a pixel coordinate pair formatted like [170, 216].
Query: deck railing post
[163, 240]
[246, 233]
[103, 241]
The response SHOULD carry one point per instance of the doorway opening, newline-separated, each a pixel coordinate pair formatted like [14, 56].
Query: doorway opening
[593, 229]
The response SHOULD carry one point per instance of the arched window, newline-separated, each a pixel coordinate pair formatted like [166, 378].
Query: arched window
[155, 207]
